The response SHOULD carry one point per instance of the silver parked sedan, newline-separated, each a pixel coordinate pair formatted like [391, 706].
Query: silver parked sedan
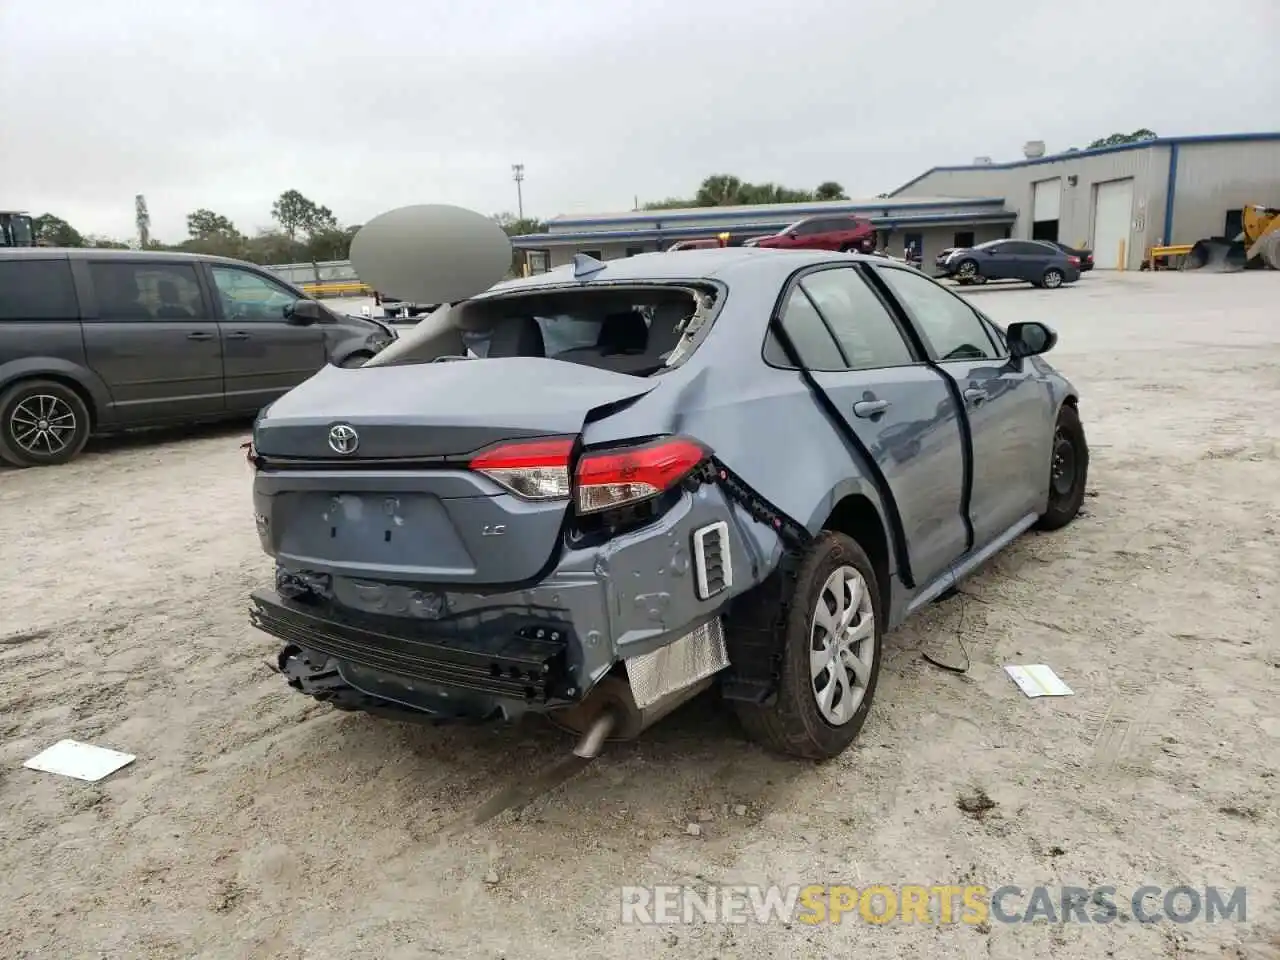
[751, 466]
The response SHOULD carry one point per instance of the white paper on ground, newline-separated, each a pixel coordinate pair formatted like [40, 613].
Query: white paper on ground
[70, 758]
[1037, 680]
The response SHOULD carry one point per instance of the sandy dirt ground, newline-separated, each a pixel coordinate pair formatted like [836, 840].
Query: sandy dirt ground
[257, 824]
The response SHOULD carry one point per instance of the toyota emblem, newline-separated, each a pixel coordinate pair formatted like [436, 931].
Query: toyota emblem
[343, 438]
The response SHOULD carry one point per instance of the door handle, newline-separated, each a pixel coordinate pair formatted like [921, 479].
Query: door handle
[237, 335]
[975, 397]
[199, 336]
[870, 408]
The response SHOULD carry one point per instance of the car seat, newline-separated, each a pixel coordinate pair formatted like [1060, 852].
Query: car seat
[623, 333]
[171, 306]
[517, 337]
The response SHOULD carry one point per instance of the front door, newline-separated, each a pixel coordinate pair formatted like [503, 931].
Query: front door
[150, 334]
[1008, 408]
[900, 409]
[265, 356]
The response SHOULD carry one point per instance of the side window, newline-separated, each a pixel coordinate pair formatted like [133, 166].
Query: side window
[37, 290]
[250, 296]
[944, 320]
[861, 323]
[810, 227]
[808, 334]
[137, 290]
[1024, 249]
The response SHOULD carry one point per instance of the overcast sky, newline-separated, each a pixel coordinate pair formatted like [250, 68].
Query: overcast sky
[366, 105]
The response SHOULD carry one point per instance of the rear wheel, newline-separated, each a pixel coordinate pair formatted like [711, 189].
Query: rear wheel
[1052, 279]
[42, 422]
[1068, 471]
[830, 644]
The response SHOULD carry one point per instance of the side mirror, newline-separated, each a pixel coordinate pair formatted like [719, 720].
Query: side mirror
[303, 312]
[1030, 339]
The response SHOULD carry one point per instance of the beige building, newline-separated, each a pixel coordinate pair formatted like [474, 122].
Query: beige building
[1117, 201]
[1120, 201]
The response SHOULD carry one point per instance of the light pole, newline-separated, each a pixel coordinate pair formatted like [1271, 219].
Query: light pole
[517, 174]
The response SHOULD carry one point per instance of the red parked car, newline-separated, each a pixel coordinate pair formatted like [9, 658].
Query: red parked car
[844, 233]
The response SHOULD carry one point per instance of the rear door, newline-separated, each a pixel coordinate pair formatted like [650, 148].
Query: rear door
[901, 409]
[1031, 258]
[1009, 409]
[150, 334]
[264, 356]
[1000, 261]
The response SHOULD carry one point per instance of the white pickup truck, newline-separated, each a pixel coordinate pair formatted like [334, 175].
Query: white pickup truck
[393, 308]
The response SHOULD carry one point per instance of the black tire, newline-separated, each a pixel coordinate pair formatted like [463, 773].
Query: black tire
[793, 724]
[356, 360]
[1067, 476]
[966, 269]
[1052, 279]
[26, 402]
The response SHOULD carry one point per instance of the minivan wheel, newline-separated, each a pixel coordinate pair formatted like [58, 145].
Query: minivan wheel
[830, 644]
[1052, 278]
[1068, 471]
[42, 422]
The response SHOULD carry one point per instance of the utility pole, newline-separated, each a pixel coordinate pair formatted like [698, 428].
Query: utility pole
[517, 174]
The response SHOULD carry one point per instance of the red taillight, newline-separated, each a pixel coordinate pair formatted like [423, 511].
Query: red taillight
[617, 478]
[1074, 261]
[536, 470]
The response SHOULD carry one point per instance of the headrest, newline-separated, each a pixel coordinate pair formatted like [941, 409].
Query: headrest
[517, 337]
[624, 332]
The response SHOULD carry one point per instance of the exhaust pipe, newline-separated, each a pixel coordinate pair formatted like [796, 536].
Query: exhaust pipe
[592, 741]
[610, 713]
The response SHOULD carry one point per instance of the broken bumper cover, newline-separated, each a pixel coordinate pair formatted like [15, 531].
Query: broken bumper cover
[504, 659]
[457, 654]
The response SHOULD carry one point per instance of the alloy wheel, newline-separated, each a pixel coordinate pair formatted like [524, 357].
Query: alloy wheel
[42, 425]
[1063, 471]
[842, 638]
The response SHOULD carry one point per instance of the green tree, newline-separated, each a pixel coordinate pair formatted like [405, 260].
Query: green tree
[1116, 139]
[727, 190]
[104, 243]
[297, 214]
[56, 232]
[204, 224]
[515, 226]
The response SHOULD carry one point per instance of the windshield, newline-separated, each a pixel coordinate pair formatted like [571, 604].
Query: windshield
[19, 232]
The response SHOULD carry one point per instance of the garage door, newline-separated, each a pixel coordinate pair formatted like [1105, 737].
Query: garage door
[1112, 211]
[1045, 203]
[1045, 197]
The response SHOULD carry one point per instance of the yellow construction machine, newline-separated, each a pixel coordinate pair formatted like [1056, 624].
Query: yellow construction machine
[1257, 246]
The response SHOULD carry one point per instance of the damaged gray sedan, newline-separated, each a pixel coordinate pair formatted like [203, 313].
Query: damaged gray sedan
[597, 492]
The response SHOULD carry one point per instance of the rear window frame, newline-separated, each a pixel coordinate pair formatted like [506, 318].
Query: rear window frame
[692, 287]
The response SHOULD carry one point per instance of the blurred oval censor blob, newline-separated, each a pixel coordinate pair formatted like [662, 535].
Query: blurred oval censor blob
[429, 253]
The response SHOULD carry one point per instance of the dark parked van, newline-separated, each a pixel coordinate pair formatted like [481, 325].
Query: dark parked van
[95, 341]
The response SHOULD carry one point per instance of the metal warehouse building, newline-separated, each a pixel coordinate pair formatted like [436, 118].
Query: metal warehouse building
[1120, 201]
[930, 223]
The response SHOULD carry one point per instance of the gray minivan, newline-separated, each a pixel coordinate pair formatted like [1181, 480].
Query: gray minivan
[95, 341]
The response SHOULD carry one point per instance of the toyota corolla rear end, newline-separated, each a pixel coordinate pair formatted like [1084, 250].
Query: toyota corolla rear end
[451, 544]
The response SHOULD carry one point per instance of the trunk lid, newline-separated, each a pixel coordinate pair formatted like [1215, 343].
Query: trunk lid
[402, 505]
